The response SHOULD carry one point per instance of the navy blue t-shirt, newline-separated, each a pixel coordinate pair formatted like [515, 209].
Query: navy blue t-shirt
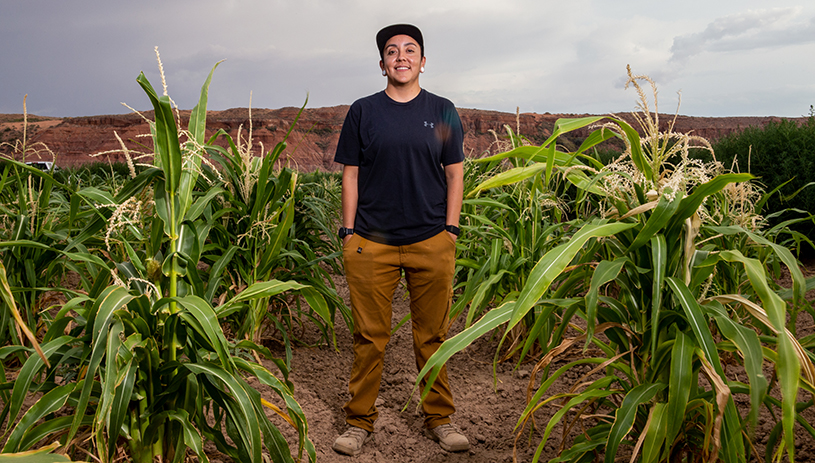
[401, 150]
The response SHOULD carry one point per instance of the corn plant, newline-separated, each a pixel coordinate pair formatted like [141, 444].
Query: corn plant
[38, 214]
[509, 224]
[141, 359]
[32, 220]
[259, 233]
[663, 303]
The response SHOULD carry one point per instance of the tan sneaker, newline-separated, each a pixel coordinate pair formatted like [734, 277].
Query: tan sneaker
[350, 442]
[449, 437]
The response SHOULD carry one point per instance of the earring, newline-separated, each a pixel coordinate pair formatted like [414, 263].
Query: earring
[421, 69]
[384, 73]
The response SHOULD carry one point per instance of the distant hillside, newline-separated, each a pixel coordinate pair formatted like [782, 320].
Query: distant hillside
[312, 142]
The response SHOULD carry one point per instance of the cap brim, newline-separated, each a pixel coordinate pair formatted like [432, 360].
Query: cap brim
[386, 33]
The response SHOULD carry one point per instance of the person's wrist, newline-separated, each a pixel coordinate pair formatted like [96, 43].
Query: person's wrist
[345, 231]
[452, 229]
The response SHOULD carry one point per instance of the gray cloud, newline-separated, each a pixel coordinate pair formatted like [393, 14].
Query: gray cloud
[746, 31]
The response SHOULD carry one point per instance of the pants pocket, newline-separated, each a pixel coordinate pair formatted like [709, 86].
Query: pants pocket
[449, 237]
[354, 240]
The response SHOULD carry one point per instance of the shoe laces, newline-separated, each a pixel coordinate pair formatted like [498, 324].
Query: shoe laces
[356, 433]
[445, 430]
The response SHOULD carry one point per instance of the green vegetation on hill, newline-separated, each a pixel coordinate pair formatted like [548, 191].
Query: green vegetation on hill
[782, 156]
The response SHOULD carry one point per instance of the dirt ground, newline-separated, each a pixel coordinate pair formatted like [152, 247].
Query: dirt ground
[487, 411]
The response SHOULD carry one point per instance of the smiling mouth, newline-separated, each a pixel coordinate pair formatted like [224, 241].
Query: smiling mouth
[402, 68]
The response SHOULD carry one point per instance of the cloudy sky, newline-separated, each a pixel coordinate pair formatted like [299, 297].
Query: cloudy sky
[727, 57]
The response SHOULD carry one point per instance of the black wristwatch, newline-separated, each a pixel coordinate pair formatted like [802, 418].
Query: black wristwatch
[452, 229]
[345, 232]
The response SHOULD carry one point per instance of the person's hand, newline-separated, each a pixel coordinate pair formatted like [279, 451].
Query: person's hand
[346, 239]
[452, 235]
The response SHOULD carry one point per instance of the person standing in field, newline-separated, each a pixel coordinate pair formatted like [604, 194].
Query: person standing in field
[402, 187]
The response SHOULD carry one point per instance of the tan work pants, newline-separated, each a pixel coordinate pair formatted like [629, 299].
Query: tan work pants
[373, 271]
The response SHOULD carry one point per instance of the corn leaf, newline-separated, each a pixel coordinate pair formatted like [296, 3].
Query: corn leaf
[655, 433]
[197, 208]
[679, 386]
[550, 164]
[203, 312]
[732, 444]
[750, 348]
[109, 376]
[595, 138]
[96, 196]
[799, 285]
[41, 455]
[251, 434]
[697, 322]
[295, 411]
[112, 299]
[509, 177]
[554, 262]
[261, 290]
[50, 402]
[605, 272]
[52, 426]
[491, 320]
[272, 249]
[589, 395]
[8, 298]
[637, 155]
[691, 203]
[624, 416]
[317, 303]
[216, 272]
[530, 153]
[565, 125]
[191, 437]
[481, 293]
[166, 136]
[119, 405]
[579, 179]
[198, 116]
[789, 367]
[659, 263]
[663, 212]
[32, 366]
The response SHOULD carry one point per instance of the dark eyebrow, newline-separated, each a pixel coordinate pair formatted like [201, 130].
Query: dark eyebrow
[407, 44]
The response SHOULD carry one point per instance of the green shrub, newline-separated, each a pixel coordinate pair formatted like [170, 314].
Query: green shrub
[779, 153]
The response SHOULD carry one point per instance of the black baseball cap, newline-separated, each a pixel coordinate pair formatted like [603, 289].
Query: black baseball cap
[410, 30]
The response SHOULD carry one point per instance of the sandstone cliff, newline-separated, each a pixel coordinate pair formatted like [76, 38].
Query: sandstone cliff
[314, 138]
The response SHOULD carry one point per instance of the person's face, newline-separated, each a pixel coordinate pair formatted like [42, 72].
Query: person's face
[402, 59]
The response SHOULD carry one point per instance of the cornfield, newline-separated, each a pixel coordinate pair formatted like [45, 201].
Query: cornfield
[656, 264]
[661, 273]
[134, 361]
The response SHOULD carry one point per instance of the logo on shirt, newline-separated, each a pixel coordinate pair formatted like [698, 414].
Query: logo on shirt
[428, 124]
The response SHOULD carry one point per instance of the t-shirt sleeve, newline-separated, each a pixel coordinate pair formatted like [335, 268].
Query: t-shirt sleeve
[453, 146]
[349, 146]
